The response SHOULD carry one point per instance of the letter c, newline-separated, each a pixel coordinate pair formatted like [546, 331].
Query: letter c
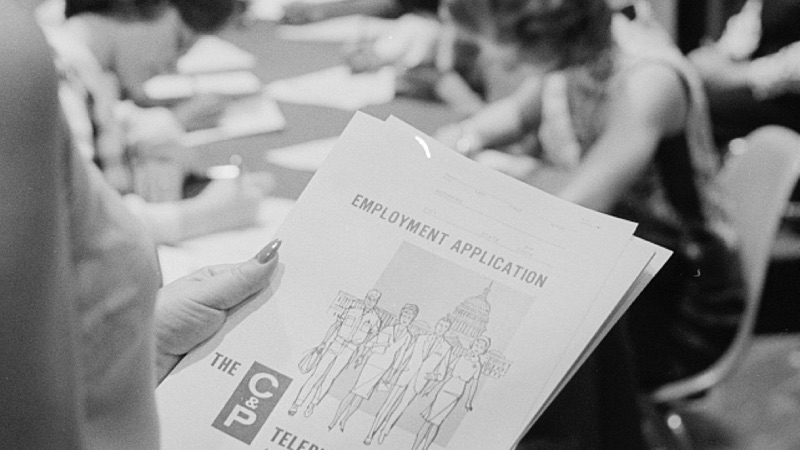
[253, 385]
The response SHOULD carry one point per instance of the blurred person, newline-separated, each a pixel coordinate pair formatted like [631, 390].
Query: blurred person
[105, 50]
[301, 11]
[623, 129]
[87, 330]
[752, 72]
[441, 62]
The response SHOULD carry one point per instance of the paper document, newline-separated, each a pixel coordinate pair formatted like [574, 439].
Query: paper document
[307, 157]
[346, 29]
[242, 117]
[214, 54]
[337, 87]
[177, 86]
[272, 10]
[419, 295]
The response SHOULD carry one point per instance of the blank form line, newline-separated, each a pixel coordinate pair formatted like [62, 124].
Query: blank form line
[440, 194]
[514, 251]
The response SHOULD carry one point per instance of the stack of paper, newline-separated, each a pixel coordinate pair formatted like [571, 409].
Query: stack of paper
[304, 157]
[246, 116]
[171, 87]
[511, 289]
[345, 29]
[273, 10]
[337, 87]
[214, 66]
[214, 54]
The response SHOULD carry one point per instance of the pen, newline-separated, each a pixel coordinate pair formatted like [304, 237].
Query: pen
[236, 161]
[233, 170]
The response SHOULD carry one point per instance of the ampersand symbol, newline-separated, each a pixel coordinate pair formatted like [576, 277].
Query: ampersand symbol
[252, 403]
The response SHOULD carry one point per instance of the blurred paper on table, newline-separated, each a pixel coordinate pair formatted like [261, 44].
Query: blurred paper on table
[306, 157]
[179, 86]
[225, 247]
[272, 10]
[242, 117]
[213, 54]
[341, 29]
[337, 87]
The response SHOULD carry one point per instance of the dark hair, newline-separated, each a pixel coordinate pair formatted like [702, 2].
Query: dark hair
[128, 8]
[202, 16]
[206, 16]
[581, 29]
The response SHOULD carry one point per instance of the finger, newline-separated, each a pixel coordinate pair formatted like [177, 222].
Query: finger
[230, 284]
[261, 182]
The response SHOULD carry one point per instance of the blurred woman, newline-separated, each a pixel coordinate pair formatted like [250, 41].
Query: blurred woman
[622, 127]
[624, 130]
[105, 51]
[86, 330]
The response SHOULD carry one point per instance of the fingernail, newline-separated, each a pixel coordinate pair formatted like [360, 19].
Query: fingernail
[268, 252]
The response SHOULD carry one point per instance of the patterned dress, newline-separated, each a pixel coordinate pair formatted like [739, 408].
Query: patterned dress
[687, 316]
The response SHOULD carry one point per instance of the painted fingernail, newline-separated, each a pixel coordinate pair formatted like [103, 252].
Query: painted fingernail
[269, 251]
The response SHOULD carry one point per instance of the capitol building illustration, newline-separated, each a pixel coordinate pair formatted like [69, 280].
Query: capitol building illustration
[469, 320]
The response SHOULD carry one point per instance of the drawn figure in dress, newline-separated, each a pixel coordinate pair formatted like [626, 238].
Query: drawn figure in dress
[462, 377]
[429, 355]
[345, 338]
[381, 355]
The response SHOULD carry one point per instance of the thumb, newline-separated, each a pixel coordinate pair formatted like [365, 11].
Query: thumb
[234, 283]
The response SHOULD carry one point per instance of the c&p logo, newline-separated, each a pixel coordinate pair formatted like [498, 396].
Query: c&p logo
[251, 403]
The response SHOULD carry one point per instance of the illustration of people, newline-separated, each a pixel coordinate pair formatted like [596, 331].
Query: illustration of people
[382, 354]
[345, 337]
[428, 355]
[462, 377]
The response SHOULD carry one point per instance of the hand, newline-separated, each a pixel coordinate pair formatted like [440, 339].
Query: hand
[520, 167]
[449, 135]
[158, 180]
[468, 406]
[225, 204]
[361, 58]
[718, 71]
[300, 12]
[411, 42]
[193, 308]
[155, 133]
[201, 111]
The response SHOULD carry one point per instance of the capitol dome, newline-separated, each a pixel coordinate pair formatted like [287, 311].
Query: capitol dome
[471, 316]
[479, 303]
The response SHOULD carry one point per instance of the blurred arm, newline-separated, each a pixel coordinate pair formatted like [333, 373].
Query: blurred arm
[39, 398]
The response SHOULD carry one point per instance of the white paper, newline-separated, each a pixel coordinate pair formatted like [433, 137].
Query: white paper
[272, 10]
[306, 157]
[621, 289]
[179, 86]
[337, 87]
[214, 54]
[346, 29]
[497, 257]
[242, 117]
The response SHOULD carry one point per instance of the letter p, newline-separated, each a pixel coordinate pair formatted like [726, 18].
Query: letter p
[241, 415]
